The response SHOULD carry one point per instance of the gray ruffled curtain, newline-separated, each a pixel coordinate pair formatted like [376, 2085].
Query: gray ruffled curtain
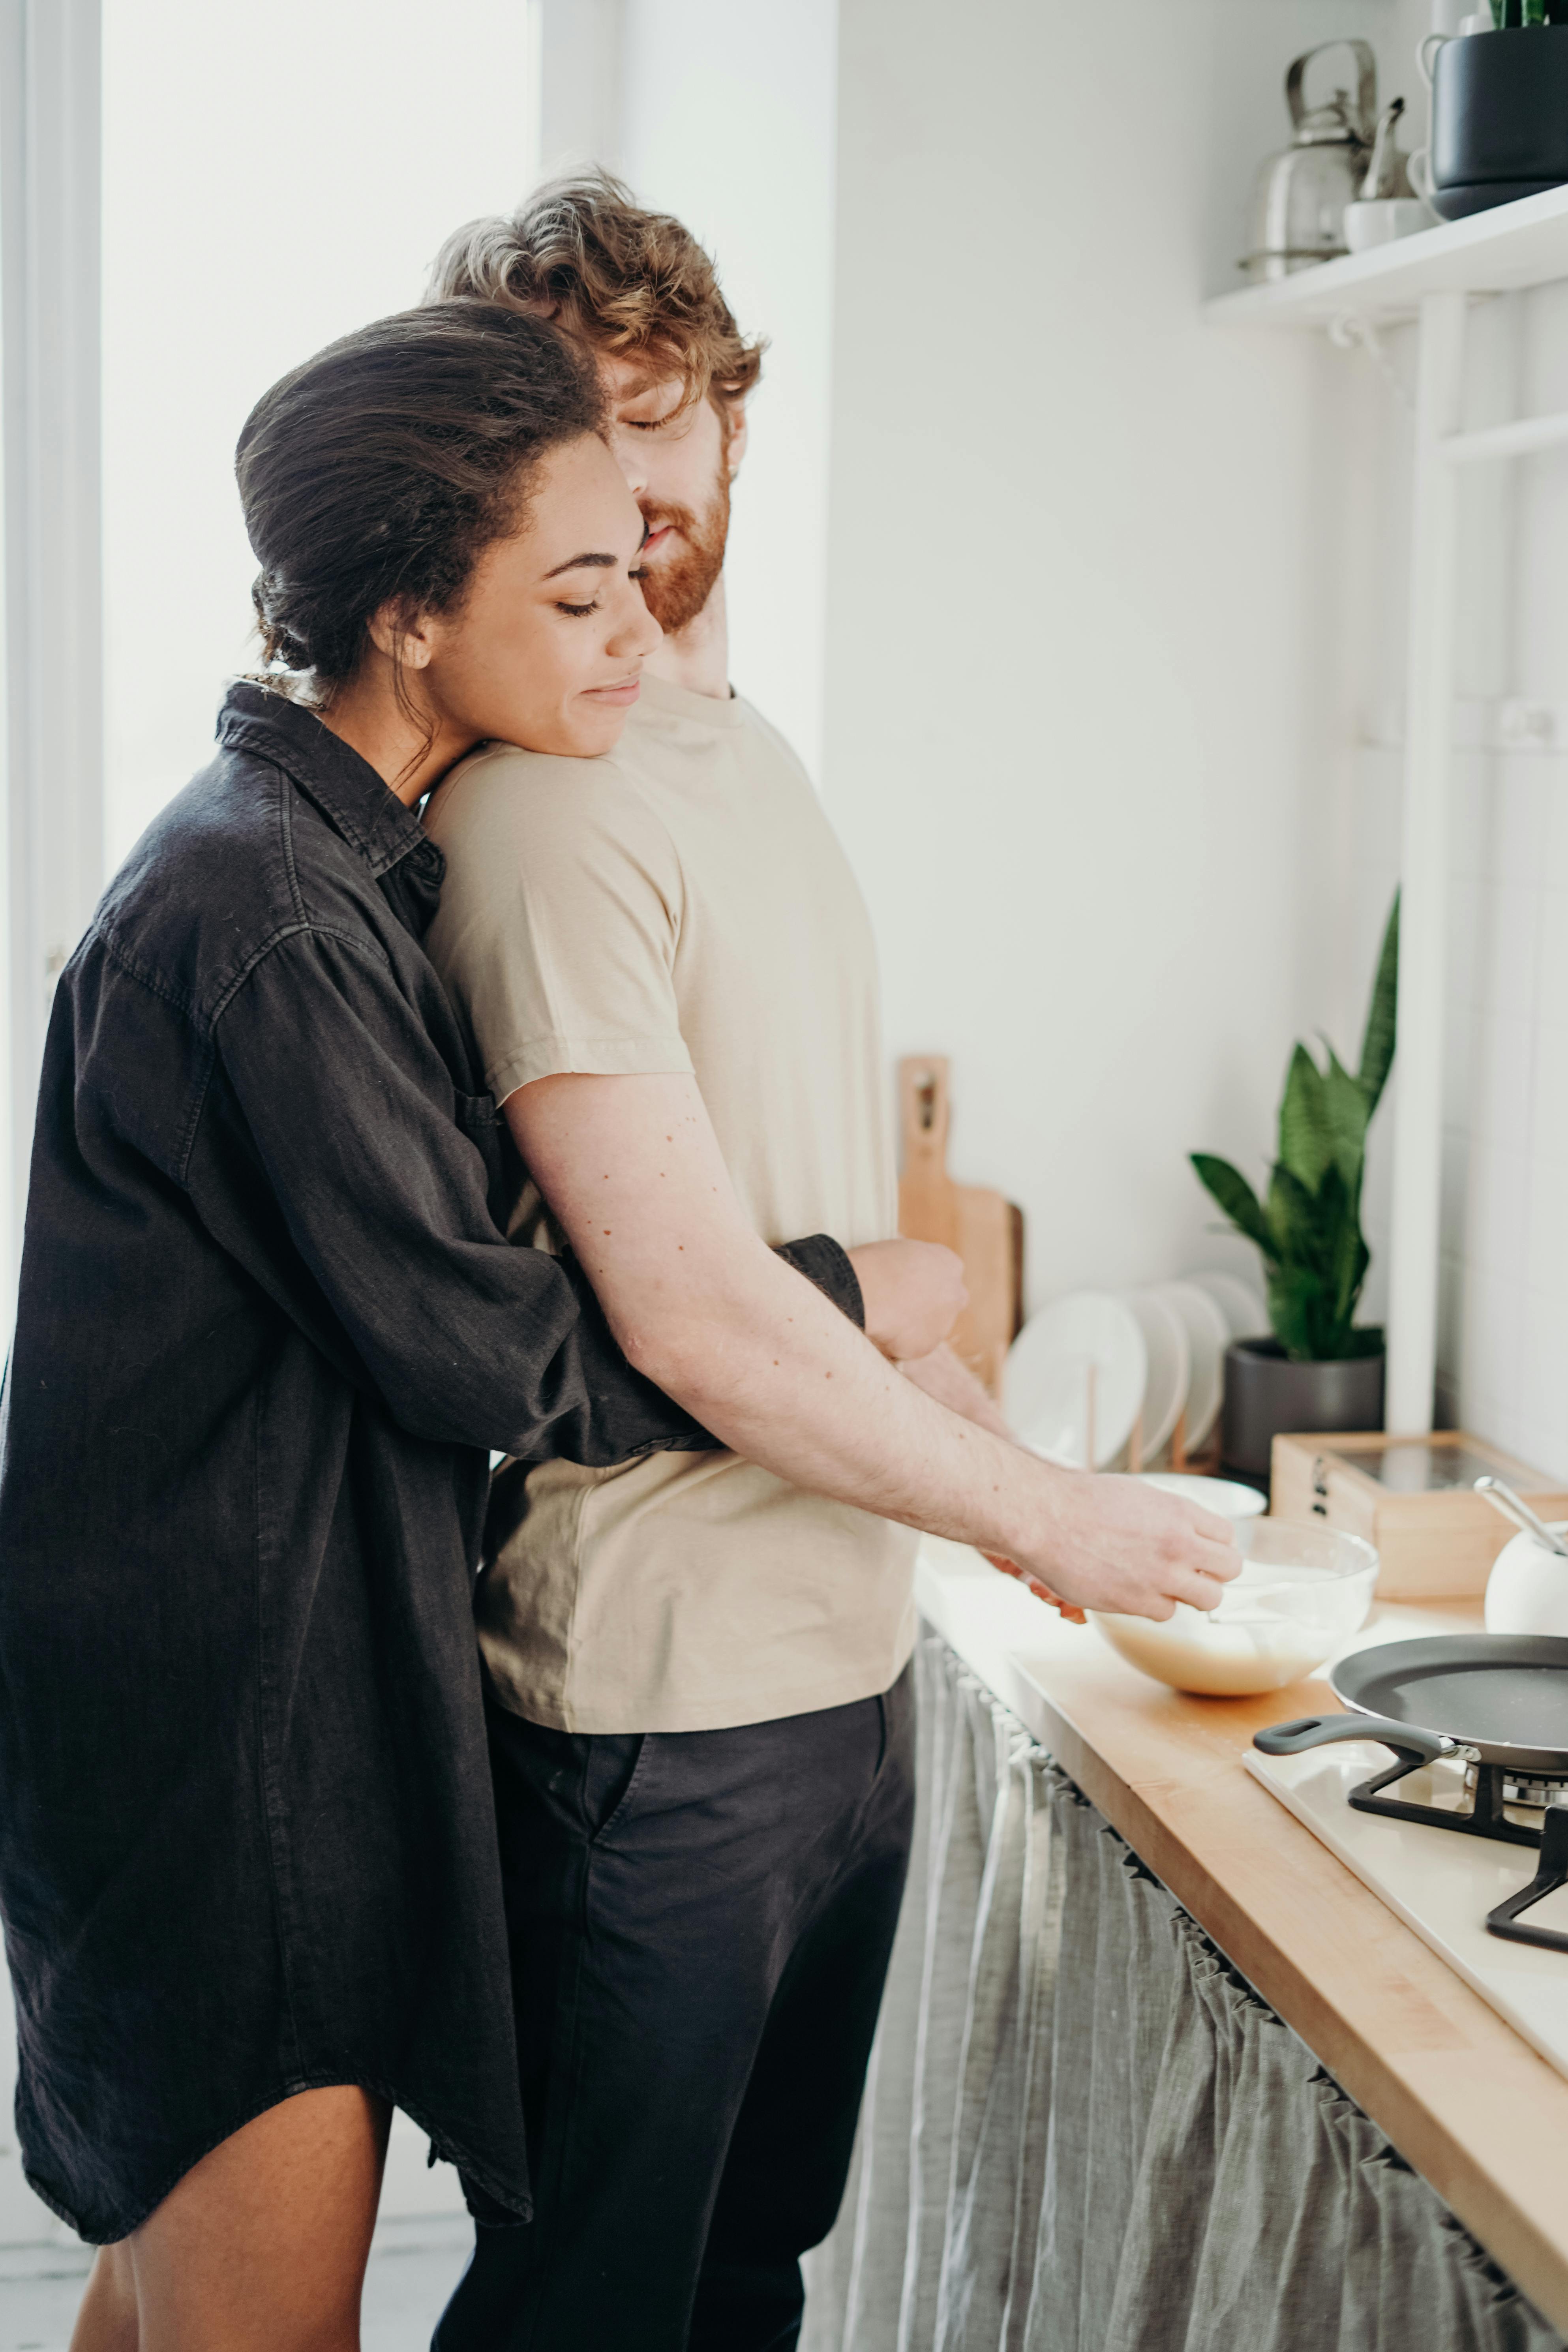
[1084, 2133]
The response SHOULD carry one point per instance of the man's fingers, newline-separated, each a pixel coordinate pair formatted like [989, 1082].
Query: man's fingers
[1221, 1560]
[1210, 1524]
[1197, 1588]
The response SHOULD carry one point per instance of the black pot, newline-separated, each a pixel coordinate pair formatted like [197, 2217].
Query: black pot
[1500, 111]
[1266, 1395]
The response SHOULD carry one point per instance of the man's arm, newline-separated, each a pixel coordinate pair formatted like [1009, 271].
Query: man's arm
[632, 1169]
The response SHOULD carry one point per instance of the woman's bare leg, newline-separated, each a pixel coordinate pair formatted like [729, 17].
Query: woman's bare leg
[262, 2246]
[106, 2317]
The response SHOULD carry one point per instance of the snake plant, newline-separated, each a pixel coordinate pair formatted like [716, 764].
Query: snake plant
[1308, 1228]
[1508, 13]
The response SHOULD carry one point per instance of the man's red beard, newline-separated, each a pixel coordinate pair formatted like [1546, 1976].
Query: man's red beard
[674, 592]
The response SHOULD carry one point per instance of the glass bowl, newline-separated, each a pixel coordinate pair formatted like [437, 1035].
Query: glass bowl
[1302, 1593]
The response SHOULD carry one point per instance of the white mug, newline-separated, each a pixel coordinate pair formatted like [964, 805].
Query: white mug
[1378, 220]
[1418, 164]
[1527, 1592]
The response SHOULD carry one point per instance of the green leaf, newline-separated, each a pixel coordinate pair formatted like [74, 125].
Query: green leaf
[1306, 1144]
[1236, 1196]
[1348, 1112]
[1293, 1221]
[1382, 1018]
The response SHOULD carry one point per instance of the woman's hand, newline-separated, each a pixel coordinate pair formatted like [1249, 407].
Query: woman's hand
[914, 1293]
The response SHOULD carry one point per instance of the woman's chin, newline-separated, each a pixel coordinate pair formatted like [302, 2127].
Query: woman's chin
[594, 731]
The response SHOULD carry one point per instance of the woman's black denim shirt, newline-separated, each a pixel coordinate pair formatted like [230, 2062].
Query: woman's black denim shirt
[268, 1331]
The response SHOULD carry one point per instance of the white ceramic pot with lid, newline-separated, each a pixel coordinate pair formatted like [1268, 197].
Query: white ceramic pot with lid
[1527, 1592]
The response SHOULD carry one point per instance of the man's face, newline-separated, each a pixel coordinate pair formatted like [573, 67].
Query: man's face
[679, 464]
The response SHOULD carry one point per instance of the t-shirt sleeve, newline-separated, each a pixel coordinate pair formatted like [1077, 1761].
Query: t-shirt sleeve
[559, 919]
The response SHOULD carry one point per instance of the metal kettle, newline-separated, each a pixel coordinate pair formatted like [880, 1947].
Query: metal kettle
[1298, 204]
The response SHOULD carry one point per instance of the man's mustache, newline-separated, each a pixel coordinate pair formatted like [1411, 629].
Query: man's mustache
[681, 518]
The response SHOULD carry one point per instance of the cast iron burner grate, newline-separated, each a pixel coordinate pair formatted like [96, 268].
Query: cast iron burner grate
[1493, 1788]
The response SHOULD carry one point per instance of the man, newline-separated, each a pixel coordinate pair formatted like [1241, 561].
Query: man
[697, 1669]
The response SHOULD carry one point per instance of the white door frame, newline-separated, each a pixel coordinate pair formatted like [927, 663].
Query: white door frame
[50, 140]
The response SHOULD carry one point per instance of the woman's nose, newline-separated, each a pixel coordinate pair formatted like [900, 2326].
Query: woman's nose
[636, 633]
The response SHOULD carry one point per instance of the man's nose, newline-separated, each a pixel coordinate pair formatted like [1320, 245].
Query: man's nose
[627, 451]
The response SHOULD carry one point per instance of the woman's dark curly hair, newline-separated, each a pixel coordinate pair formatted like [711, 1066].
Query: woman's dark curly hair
[378, 472]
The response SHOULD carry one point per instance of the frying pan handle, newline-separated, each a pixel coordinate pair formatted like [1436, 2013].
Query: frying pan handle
[1317, 1730]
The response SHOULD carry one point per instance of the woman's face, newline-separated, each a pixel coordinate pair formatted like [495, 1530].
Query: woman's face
[547, 648]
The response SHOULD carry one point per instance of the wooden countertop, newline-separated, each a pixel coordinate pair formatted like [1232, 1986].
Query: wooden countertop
[1462, 2097]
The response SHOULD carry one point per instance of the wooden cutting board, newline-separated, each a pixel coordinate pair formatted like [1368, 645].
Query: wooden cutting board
[986, 1229]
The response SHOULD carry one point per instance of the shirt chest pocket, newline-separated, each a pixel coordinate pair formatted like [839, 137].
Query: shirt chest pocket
[481, 1122]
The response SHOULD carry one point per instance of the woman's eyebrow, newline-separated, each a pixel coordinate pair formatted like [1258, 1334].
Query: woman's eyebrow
[581, 562]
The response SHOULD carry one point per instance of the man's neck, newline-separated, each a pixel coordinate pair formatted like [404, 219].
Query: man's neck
[698, 656]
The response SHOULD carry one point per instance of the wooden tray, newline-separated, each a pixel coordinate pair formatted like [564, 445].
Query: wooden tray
[1411, 1497]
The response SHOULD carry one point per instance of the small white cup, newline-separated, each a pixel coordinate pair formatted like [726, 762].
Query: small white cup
[1527, 1592]
[1378, 220]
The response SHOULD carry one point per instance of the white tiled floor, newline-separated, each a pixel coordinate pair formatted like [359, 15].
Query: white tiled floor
[413, 2269]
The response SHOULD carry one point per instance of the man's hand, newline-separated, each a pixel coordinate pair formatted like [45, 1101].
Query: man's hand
[914, 1293]
[1119, 1544]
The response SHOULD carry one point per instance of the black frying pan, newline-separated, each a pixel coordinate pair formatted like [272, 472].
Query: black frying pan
[1494, 1698]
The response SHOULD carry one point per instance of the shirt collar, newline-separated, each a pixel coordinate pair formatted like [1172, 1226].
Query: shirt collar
[346, 789]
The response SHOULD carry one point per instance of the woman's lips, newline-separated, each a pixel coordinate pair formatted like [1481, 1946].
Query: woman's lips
[626, 692]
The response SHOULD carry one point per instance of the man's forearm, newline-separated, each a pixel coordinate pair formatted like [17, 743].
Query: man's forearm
[633, 1171]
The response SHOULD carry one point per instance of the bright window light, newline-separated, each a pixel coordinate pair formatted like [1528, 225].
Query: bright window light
[271, 179]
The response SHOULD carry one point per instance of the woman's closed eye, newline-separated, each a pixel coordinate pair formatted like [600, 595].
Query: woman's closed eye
[578, 612]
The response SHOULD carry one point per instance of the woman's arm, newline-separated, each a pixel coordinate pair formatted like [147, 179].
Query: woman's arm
[370, 1225]
[632, 1169]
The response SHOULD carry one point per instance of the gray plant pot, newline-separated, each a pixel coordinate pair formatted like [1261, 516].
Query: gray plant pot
[1500, 111]
[1266, 1394]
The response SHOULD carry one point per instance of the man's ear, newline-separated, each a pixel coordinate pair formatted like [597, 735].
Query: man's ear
[405, 638]
[735, 440]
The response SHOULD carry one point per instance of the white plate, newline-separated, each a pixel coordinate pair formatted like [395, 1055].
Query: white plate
[1239, 1302]
[1226, 1497]
[1046, 1385]
[1170, 1365]
[1208, 1335]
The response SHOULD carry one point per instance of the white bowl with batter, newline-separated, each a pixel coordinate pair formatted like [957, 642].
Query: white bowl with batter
[1302, 1593]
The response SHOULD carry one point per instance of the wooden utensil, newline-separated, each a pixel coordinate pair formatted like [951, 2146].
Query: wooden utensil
[986, 1229]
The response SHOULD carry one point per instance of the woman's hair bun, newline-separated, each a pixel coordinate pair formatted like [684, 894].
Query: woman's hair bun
[378, 472]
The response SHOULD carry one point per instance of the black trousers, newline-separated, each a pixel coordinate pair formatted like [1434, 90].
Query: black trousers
[701, 1926]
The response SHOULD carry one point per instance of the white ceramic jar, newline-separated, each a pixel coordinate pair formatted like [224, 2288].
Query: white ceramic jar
[1527, 1592]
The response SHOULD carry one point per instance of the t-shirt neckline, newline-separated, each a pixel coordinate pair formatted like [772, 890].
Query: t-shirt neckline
[680, 702]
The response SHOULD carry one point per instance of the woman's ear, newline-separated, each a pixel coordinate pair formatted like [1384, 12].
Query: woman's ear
[735, 441]
[405, 640]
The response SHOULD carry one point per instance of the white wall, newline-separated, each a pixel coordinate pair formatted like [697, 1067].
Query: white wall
[1089, 731]
[728, 121]
[270, 182]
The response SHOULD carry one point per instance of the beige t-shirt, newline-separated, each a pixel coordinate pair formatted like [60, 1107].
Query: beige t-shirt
[682, 905]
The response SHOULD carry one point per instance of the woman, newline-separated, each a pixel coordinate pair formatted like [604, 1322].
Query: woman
[268, 1331]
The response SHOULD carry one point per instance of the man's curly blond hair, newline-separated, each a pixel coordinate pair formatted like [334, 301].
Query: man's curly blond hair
[633, 284]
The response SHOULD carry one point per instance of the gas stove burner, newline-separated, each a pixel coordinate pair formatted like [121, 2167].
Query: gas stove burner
[1490, 1788]
[1495, 1702]
[1493, 1790]
[1537, 1794]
